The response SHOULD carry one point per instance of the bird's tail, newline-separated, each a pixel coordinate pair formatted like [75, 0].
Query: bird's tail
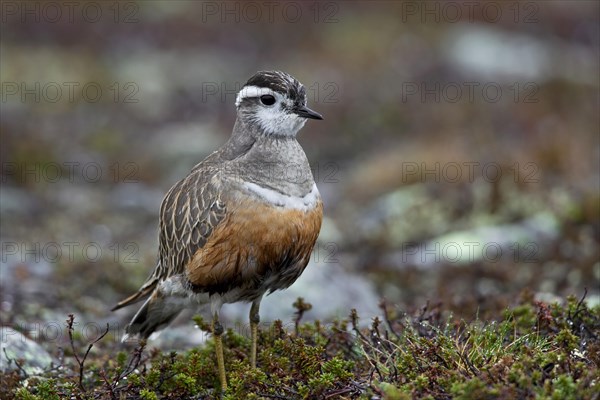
[156, 313]
[134, 298]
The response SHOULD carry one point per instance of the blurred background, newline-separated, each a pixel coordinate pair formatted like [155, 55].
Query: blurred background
[458, 159]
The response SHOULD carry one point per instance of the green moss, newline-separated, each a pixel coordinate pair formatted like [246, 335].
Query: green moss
[24, 394]
[146, 394]
[567, 340]
[134, 380]
[121, 359]
[339, 368]
[394, 393]
[471, 389]
[45, 389]
[564, 388]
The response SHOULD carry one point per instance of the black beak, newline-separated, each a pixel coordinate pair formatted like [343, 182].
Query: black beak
[306, 112]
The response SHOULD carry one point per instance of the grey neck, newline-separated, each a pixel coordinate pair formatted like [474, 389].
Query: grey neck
[276, 162]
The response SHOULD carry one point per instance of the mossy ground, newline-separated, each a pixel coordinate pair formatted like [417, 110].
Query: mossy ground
[532, 350]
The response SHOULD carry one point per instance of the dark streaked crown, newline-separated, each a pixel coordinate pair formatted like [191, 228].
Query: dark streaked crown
[280, 82]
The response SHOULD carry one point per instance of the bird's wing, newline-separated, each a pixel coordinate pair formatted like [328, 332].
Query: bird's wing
[190, 212]
[188, 215]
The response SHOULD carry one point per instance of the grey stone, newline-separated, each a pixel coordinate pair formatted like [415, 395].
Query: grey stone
[16, 348]
[523, 242]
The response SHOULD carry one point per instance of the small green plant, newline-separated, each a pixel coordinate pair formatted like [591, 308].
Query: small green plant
[146, 394]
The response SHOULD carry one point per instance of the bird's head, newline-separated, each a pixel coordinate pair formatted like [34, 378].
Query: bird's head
[274, 103]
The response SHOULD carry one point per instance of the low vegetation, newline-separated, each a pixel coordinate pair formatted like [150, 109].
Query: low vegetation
[532, 350]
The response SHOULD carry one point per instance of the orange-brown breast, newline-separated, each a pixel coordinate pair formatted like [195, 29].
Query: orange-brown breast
[257, 247]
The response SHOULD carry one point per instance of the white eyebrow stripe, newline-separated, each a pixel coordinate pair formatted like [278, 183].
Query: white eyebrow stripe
[252, 91]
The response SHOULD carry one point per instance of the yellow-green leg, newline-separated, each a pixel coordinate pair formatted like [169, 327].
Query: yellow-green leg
[217, 332]
[254, 320]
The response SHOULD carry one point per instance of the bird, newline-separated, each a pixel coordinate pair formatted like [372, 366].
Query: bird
[243, 223]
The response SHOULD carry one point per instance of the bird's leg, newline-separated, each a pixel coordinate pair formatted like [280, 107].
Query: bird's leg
[254, 320]
[217, 332]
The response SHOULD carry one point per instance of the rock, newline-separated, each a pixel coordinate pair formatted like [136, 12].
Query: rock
[523, 242]
[15, 347]
[549, 298]
[490, 53]
[179, 337]
[406, 214]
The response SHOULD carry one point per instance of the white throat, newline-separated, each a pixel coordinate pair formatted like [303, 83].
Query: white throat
[278, 122]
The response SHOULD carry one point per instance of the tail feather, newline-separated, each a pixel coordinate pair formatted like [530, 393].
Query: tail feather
[134, 298]
[155, 314]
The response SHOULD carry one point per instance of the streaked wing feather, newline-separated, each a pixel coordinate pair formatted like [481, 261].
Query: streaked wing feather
[189, 213]
[193, 209]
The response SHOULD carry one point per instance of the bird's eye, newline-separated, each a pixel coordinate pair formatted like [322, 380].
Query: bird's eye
[267, 100]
